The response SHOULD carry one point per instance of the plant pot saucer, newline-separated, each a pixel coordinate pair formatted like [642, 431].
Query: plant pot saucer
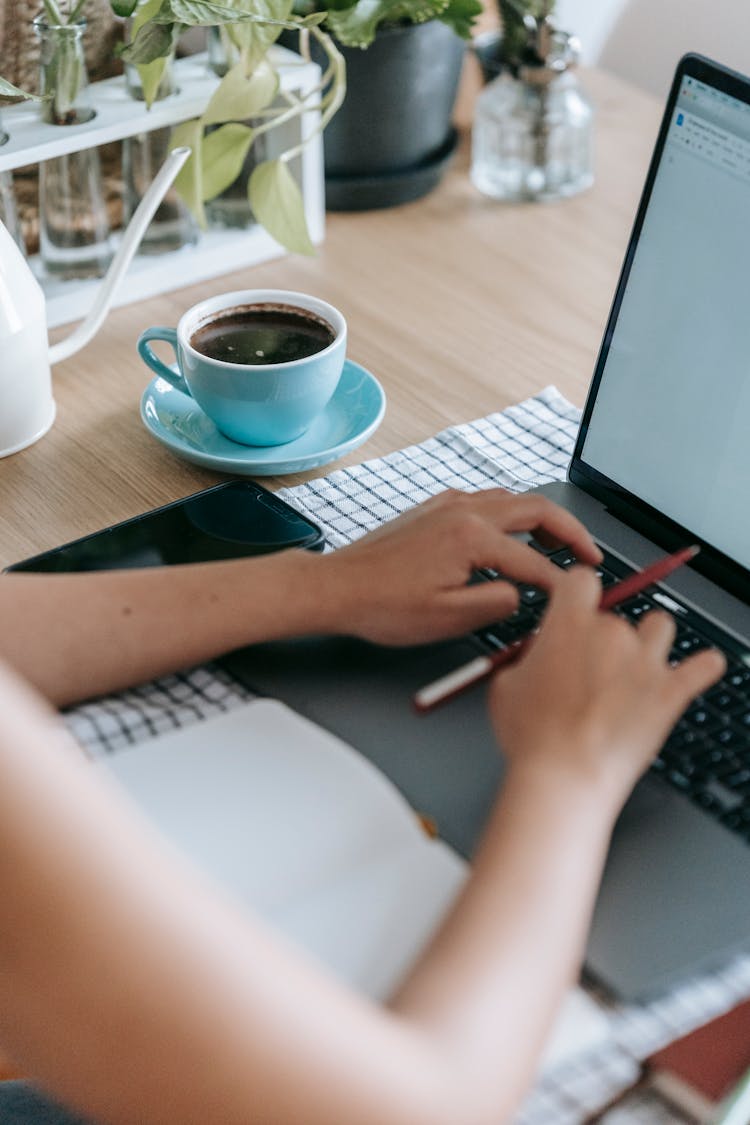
[388, 189]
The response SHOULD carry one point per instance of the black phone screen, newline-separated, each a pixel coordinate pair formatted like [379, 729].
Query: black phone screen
[227, 521]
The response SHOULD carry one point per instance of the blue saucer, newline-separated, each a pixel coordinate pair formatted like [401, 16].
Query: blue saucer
[352, 415]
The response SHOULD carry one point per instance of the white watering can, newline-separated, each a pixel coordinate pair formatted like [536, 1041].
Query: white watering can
[27, 407]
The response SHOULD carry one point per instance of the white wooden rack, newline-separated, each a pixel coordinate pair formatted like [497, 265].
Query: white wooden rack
[32, 141]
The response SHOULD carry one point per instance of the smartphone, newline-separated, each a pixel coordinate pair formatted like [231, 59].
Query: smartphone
[227, 521]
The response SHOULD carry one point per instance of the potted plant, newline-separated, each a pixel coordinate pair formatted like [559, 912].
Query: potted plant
[393, 136]
[249, 91]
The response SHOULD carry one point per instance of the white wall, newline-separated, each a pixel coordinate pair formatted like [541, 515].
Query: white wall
[643, 39]
[590, 20]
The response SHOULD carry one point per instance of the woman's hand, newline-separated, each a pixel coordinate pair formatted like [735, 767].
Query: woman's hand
[406, 583]
[594, 697]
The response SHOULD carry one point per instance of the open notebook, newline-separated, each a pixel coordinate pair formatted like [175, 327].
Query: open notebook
[312, 836]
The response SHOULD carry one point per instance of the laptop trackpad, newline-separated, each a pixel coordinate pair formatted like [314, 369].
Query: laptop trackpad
[675, 898]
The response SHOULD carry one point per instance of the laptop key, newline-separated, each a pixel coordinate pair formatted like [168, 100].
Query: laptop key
[679, 780]
[739, 679]
[606, 577]
[685, 736]
[722, 796]
[730, 737]
[687, 641]
[522, 620]
[721, 699]
[531, 595]
[635, 608]
[564, 558]
[737, 780]
[703, 718]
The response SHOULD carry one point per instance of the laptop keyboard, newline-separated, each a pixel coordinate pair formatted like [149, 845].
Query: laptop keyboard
[707, 755]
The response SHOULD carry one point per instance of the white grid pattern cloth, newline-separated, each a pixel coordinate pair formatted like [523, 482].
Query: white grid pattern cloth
[525, 445]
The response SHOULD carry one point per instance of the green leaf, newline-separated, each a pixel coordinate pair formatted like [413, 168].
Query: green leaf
[207, 13]
[75, 12]
[461, 15]
[276, 201]
[150, 73]
[145, 10]
[53, 13]
[238, 97]
[222, 156]
[515, 35]
[8, 90]
[356, 26]
[163, 13]
[189, 180]
[253, 39]
[123, 8]
[153, 41]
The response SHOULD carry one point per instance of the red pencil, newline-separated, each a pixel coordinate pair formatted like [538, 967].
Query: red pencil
[456, 682]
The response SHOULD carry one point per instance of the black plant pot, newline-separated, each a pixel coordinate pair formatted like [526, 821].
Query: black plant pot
[392, 138]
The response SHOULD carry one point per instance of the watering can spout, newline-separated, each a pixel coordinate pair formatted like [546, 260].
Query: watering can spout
[131, 238]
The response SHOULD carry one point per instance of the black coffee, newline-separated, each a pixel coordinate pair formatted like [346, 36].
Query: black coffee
[263, 333]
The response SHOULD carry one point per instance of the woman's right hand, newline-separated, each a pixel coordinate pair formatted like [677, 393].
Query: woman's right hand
[594, 698]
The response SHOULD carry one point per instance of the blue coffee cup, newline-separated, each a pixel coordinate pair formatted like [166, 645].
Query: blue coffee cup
[252, 403]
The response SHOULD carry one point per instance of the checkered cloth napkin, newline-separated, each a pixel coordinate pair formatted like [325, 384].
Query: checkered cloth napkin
[526, 445]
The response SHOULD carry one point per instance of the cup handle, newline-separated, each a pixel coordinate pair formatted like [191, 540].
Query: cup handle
[145, 351]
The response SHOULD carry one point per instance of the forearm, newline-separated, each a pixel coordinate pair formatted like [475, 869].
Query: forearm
[490, 985]
[75, 636]
[134, 991]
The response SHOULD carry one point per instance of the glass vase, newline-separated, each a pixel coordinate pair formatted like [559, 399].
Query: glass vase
[533, 130]
[142, 156]
[74, 232]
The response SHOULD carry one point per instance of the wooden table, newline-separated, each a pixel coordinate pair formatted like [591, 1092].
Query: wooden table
[458, 304]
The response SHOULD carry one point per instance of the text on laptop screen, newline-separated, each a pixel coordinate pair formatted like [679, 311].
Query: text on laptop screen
[671, 421]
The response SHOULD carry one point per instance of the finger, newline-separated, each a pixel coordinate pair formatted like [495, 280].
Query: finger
[657, 630]
[522, 563]
[696, 674]
[541, 516]
[484, 603]
[577, 595]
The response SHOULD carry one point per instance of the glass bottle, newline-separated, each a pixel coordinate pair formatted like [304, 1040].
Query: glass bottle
[532, 132]
[232, 208]
[74, 232]
[142, 156]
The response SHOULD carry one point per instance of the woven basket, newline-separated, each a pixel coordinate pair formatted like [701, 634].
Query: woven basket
[19, 44]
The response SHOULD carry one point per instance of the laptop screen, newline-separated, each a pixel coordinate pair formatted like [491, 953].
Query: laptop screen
[668, 419]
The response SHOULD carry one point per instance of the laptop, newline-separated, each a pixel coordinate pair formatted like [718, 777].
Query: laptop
[662, 460]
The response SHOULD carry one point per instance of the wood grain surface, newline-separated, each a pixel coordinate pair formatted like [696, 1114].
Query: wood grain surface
[458, 304]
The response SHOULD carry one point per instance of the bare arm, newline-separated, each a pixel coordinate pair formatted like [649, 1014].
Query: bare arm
[136, 992]
[81, 635]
